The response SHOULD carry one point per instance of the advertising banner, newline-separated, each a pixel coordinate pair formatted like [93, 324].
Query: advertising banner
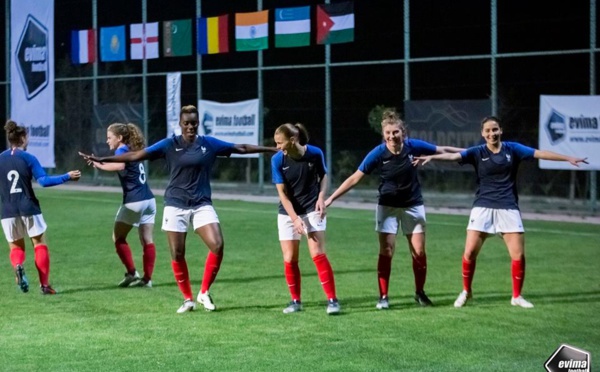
[569, 125]
[32, 74]
[173, 103]
[235, 122]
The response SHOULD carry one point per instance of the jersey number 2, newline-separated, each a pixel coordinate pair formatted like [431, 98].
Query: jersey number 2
[13, 176]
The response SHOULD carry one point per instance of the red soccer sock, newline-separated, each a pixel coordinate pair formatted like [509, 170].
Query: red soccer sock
[149, 260]
[182, 277]
[17, 257]
[211, 269]
[518, 275]
[468, 271]
[419, 264]
[293, 279]
[384, 269]
[124, 253]
[42, 263]
[325, 275]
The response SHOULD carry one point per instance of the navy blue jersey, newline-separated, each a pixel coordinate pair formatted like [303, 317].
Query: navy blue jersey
[189, 166]
[17, 169]
[133, 180]
[302, 178]
[497, 174]
[399, 185]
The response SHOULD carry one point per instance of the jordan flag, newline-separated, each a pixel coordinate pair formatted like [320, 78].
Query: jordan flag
[335, 23]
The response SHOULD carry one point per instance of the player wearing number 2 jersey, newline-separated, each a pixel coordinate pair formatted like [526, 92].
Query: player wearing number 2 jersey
[21, 213]
[139, 206]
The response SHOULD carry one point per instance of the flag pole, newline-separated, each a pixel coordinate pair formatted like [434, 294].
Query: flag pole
[328, 151]
[261, 165]
[144, 78]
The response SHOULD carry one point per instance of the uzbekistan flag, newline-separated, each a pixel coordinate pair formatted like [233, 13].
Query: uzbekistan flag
[292, 27]
[335, 23]
[83, 46]
[252, 31]
[213, 35]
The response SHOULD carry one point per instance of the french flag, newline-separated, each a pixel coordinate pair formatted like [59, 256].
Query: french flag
[83, 46]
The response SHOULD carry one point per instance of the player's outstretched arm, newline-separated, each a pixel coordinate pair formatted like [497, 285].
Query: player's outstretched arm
[124, 158]
[242, 148]
[549, 155]
[346, 186]
[449, 156]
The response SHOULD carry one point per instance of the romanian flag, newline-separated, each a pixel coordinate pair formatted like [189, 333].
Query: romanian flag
[213, 35]
[252, 31]
[83, 46]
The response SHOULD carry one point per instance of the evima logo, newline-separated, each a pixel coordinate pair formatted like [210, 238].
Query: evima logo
[556, 127]
[568, 358]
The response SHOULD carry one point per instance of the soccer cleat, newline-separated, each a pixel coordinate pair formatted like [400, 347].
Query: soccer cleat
[47, 290]
[333, 307]
[141, 283]
[462, 299]
[206, 301]
[22, 281]
[293, 307]
[383, 303]
[520, 301]
[422, 299]
[128, 279]
[188, 305]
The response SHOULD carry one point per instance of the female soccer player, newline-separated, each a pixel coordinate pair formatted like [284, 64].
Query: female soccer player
[400, 201]
[139, 206]
[300, 175]
[21, 212]
[496, 209]
[188, 201]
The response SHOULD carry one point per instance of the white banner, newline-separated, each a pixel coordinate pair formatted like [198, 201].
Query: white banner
[32, 74]
[570, 125]
[235, 122]
[173, 103]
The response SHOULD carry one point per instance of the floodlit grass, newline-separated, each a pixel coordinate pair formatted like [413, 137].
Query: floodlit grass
[94, 326]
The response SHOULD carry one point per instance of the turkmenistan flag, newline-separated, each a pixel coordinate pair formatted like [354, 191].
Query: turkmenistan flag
[335, 23]
[252, 31]
[177, 38]
[292, 27]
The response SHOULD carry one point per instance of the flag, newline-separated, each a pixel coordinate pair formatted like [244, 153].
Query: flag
[144, 40]
[292, 27]
[112, 44]
[213, 35]
[177, 38]
[83, 46]
[335, 23]
[252, 31]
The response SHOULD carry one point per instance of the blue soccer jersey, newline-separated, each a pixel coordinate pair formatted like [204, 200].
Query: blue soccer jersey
[497, 173]
[302, 178]
[133, 180]
[189, 166]
[399, 185]
[17, 169]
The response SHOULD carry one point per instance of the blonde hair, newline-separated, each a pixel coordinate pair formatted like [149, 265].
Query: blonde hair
[391, 117]
[131, 134]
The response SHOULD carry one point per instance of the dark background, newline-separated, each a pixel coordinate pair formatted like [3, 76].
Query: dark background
[438, 29]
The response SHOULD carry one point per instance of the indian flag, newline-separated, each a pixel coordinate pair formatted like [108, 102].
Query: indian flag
[252, 31]
[292, 27]
[335, 23]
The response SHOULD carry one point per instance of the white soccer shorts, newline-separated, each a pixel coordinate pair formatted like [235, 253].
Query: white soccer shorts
[312, 221]
[178, 219]
[492, 221]
[389, 219]
[137, 213]
[16, 228]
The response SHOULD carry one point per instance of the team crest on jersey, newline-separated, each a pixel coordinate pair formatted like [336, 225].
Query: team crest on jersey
[310, 165]
[203, 149]
[410, 158]
[508, 157]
